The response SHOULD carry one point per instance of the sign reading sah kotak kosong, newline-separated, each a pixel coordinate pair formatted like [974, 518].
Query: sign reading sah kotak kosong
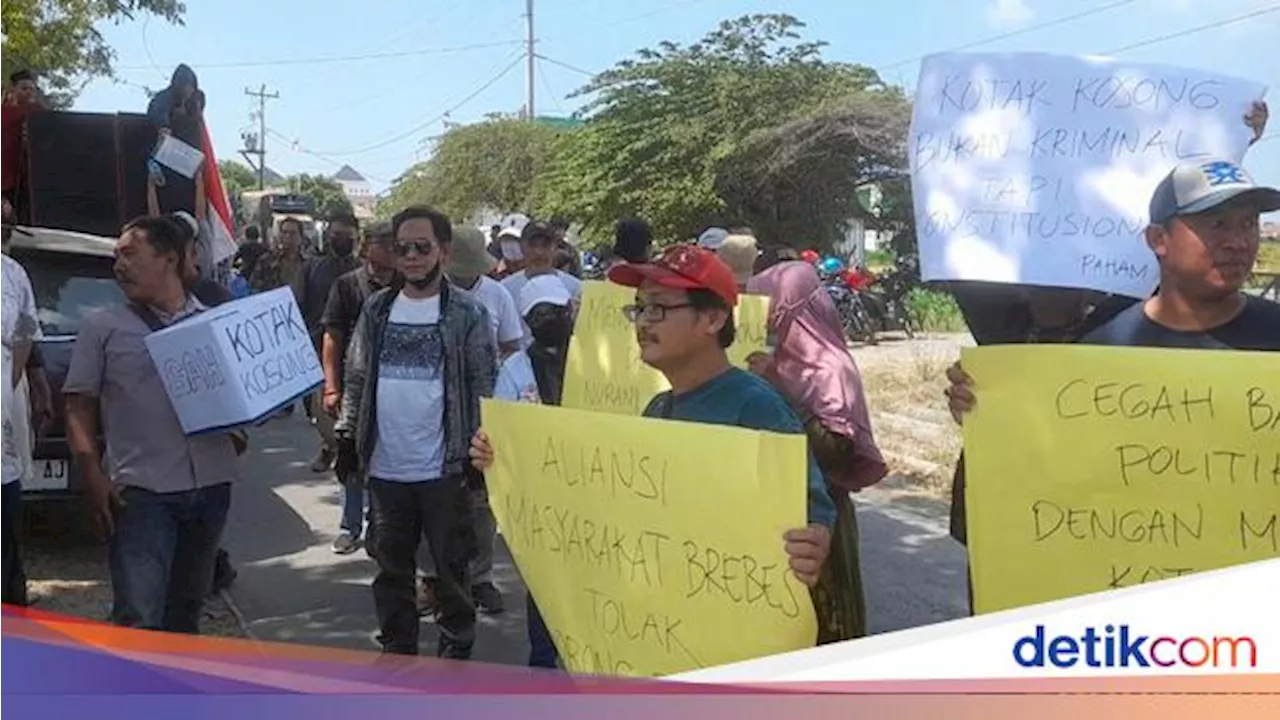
[1037, 169]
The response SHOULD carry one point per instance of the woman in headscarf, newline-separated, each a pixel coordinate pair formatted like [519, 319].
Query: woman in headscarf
[811, 366]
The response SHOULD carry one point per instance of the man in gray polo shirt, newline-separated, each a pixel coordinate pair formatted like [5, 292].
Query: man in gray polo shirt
[162, 499]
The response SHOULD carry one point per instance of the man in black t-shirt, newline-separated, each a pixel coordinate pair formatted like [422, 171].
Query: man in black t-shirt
[1205, 230]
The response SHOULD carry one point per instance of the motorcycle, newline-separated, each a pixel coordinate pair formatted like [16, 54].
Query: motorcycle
[855, 318]
[891, 308]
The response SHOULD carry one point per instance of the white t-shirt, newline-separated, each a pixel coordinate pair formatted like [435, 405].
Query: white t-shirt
[516, 381]
[410, 411]
[21, 325]
[504, 318]
[515, 283]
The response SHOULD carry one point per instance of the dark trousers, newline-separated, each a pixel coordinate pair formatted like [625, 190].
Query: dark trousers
[162, 555]
[404, 513]
[542, 649]
[15, 578]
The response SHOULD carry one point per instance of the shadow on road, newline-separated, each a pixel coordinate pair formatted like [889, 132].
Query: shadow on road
[913, 571]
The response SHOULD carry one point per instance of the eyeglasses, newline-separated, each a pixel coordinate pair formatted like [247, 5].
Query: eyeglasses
[423, 247]
[651, 312]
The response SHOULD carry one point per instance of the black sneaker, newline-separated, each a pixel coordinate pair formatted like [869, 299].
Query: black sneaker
[488, 599]
[346, 543]
[452, 650]
[323, 461]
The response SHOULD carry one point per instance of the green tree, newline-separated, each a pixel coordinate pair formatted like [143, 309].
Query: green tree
[237, 177]
[490, 164]
[799, 183]
[59, 39]
[660, 125]
[327, 193]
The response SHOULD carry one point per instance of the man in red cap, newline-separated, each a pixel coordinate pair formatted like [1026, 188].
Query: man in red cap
[683, 316]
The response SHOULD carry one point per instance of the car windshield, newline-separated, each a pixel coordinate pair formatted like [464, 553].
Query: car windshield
[69, 288]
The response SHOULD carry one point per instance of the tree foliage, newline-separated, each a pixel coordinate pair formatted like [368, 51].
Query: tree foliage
[237, 177]
[59, 39]
[800, 182]
[328, 194]
[660, 126]
[491, 164]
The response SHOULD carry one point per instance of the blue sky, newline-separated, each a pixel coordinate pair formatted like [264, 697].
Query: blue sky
[375, 113]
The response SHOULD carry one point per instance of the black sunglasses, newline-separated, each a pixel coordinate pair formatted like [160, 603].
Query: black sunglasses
[651, 312]
[424, 247]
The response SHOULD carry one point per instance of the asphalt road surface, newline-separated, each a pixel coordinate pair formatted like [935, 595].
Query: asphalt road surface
[293, 588]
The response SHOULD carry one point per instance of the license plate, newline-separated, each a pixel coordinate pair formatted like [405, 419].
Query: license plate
[48, 475]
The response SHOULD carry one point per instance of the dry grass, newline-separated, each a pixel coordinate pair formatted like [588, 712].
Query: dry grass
[67, 570]
[915, 432]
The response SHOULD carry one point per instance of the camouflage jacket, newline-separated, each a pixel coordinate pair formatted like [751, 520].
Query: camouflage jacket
[277, 269]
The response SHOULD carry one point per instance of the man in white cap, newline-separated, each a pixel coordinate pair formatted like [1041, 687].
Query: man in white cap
[1205, 233]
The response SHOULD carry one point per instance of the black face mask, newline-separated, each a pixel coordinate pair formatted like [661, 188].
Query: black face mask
[551, 329]
[342, 247]
[424, 282]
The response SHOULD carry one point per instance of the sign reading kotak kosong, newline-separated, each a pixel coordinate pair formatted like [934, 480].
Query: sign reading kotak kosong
[234, 364]
[1094, 468]
[1038, 169]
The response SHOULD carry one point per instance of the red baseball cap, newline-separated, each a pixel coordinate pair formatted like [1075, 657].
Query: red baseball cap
[683, 267]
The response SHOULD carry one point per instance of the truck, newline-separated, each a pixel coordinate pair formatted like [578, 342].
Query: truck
[265, 209]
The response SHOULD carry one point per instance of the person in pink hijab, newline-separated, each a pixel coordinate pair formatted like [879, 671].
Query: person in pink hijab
[811, 366]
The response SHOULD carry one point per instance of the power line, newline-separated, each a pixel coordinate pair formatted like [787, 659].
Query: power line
[566, 66]
[1194, 30]
[419, 127]
[1014, 33]
[339, 58]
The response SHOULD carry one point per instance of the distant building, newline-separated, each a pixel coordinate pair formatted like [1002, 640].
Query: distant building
[358, 191]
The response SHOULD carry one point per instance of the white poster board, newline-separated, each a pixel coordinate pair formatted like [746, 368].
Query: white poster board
[178, 156]
[1037, 169]
[235, 364]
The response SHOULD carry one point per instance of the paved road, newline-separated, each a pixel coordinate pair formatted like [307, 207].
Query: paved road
[292, 588]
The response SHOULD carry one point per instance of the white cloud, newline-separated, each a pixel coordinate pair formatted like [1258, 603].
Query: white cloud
[1006, 13]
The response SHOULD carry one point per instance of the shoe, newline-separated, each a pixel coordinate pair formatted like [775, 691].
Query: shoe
[427, 603]
[324, 461]
[488, 599]
[452, 650]
[346, 543]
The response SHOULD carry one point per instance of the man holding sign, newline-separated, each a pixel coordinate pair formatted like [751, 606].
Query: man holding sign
[684, 324]
[1205, 234]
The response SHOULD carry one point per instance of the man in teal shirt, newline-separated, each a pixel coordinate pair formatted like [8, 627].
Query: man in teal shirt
[684, 324]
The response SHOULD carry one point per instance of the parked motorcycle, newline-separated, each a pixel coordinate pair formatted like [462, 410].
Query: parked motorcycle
[855, 318]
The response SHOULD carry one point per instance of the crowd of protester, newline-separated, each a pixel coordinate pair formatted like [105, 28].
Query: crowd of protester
[416, 319]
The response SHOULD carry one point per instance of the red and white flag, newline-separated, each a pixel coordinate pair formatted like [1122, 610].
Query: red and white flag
[221, 227]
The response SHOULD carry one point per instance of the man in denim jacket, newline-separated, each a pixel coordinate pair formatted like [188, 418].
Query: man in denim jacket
[420, 359]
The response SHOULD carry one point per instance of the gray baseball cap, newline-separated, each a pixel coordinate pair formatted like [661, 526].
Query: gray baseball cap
[1202, 185]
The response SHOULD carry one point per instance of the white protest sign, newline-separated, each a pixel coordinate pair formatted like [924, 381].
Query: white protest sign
[179, 156]
[233, 365]
[1038, 169]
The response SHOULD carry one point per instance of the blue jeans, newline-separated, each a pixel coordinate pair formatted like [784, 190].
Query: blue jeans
[354, 515]
[542, 650]
[162, 556]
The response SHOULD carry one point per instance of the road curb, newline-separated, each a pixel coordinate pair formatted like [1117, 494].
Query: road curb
[235, 613]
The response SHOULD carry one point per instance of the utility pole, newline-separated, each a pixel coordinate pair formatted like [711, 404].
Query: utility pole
[530, 57]
[260, 147]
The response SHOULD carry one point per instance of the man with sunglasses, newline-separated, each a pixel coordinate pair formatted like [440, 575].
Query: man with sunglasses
[421, 356]
[684, 324]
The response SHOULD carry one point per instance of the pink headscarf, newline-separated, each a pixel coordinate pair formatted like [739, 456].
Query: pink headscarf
[813, 367]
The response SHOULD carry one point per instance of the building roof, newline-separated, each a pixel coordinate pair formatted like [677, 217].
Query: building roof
[348, 174]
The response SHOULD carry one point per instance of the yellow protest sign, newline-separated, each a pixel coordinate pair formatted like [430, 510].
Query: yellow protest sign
[1091, 468]
[646, 558]
[604, 371]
